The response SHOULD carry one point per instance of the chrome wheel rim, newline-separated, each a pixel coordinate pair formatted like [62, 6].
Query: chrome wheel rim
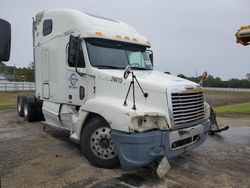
[101, 143]
[25, 110]
[19, 106]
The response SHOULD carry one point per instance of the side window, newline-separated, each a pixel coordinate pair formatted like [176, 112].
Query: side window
[47, 27]
[81, 61]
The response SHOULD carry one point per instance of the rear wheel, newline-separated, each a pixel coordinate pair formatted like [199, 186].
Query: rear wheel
[29, 108]
[39, 111]
[97, 144]
[20, 103]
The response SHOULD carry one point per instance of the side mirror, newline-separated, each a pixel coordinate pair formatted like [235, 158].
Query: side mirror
[5, 40]
[73, 50]
[127, 71]
[203, 78]
[151, 56]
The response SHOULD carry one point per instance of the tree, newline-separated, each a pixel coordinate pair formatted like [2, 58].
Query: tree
[2, 67]
[217, 82]
[248, 76]
[32, 65]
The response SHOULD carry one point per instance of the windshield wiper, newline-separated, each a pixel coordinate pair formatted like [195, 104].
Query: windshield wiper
[139, 68]
[108, 67]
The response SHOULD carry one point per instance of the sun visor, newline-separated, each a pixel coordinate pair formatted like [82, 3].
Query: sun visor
[5, 40]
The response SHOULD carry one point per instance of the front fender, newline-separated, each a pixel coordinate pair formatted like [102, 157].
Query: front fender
[123, 118]
[113, 111]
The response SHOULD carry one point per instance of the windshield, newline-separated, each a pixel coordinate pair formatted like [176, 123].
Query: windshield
[105, 53]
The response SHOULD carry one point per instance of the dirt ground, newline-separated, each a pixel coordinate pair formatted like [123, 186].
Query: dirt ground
[30, 157]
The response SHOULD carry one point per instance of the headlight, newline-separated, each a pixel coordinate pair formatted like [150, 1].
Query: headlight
[145, 123]
[206, 110]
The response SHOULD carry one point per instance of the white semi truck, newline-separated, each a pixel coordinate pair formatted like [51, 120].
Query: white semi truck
[95, 78]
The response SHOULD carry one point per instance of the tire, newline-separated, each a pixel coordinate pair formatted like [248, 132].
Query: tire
[29, 108]
[39, 115]
[97, 145]
[20, 103]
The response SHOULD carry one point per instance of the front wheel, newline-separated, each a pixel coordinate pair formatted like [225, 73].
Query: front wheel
[97, 144]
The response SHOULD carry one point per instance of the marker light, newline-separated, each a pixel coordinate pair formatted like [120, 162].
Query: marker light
[98, 33]
[118, 36]
[127, 38]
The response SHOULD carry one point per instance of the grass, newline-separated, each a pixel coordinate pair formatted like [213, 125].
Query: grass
[243, 108]
[224, 98]
[8, 99]
[223, 102]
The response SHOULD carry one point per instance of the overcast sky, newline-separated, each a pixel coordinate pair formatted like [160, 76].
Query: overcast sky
[186, 36]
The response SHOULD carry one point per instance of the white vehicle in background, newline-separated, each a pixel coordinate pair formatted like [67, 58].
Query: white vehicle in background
[81, 86]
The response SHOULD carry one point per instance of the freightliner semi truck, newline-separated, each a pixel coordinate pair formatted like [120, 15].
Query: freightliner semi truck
[95, 79]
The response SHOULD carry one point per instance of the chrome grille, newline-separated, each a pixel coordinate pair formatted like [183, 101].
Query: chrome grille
[188, 108]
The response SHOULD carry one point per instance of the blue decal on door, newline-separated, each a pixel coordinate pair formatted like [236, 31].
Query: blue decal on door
[73, 81]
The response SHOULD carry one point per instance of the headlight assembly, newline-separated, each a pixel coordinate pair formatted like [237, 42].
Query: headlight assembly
[206, 110]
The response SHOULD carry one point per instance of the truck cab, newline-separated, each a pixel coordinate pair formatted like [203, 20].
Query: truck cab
[80, 60]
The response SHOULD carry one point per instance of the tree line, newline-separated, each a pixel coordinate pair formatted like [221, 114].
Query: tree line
[12, 73]
[218, 82]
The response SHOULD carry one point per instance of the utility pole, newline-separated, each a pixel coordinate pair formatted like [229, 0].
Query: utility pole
[15, 72]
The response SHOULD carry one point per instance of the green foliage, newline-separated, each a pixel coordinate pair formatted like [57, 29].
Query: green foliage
[13, 73]
[243, 108]
[9, 99]
[2, 67]
[248, 76]
[223, 98]
[217, 82]
[25, 73]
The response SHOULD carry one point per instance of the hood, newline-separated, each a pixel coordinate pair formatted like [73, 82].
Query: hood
[149, 80]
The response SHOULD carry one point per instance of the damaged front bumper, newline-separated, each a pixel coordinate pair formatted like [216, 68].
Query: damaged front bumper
[140, 149]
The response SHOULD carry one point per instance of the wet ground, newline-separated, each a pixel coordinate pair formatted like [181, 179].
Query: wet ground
[30, 157]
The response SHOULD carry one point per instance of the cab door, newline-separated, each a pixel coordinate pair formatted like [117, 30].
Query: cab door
[76, 72]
